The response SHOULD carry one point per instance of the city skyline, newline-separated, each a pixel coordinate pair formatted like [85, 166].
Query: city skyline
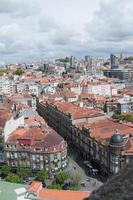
[43, 29]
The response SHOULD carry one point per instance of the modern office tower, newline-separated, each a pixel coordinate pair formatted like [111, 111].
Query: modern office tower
[86, 58]
[114, 62]
[72, 60]
[121, 56]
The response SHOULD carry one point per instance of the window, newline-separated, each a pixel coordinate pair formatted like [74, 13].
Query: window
[33, 157]
[41, 158]
[7, 155]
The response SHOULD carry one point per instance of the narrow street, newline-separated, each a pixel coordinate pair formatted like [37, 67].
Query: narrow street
[77, 168]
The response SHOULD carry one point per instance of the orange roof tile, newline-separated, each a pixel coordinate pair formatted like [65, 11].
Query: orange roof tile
[62, 195]
[69, 94]
[35, 186]
[76, 111]
[5, 115]
[42, 137]
[103, 129]
[34, 120]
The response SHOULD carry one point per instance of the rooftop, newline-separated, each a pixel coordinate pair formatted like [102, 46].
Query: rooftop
[102, 130]
[12, 191]
[51, 194]
[44, 138]
[62, 195]
[75, 111]
[5, 115]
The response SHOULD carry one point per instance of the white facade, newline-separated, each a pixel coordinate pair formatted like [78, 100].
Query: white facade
[20, 87]
[29, 101]
[34, 89]
[11, 125]
[6, 86]
[76, 90]
[99, 89]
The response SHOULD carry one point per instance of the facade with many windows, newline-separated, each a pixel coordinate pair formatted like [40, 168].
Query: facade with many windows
[96, 137]
[36, 148]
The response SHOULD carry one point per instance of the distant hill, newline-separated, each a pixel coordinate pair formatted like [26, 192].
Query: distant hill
[119, 187]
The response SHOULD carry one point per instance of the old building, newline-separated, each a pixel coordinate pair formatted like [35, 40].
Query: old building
[62, 115]
[23, 99]
[105, 143]
[36, 148]
[5, 128]
[70, 97]
[7, 85]
[93, 134]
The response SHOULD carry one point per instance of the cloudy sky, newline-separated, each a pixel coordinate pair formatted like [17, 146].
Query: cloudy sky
[41, 29]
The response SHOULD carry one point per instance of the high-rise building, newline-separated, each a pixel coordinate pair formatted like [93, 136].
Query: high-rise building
[114, 62]
[86, 58]
[72, 60]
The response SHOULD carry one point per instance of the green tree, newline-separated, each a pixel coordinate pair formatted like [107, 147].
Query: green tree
[13, 178]
[76, 179]
[61, 177]
[55, 186]
[19, 71]
[23, 172]
[5, 170]
[42, 175]
[2, 71]
[128, 118]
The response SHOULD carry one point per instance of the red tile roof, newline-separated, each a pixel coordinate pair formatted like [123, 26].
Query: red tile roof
[52, 194]
[31, 121]
[19, 96]
[102, 130]
[42, 137]
[75, 111]
[62, 195]
[69, 94]
[34, 187]
[5, 115]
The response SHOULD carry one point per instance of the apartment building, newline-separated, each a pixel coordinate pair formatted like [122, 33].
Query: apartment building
[23, 99]
[36, 148]
[7, 86]
[70, 97]
[125, 105]
[61, 115]
[107, 144]
[97, 88]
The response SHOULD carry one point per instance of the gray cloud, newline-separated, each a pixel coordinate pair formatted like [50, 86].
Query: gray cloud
[38, 29]
[111, 27]
[18, 8]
